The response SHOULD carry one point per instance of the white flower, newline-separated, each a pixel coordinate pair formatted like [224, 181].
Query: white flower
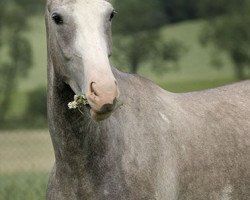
[79, 100]
[72, 105]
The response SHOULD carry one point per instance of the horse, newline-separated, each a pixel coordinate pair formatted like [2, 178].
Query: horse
[157, 145]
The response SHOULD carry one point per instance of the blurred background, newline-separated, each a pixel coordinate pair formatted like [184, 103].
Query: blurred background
[182, 45]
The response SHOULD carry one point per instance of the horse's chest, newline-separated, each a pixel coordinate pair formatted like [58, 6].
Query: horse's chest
[122, 184]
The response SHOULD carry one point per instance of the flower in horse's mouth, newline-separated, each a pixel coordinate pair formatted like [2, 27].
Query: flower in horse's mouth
[79, 101]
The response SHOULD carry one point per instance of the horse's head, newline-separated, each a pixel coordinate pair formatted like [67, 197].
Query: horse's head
[79, 35]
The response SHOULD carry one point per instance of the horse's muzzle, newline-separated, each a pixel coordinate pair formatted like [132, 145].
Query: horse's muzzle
[102, 100]
[105, 111]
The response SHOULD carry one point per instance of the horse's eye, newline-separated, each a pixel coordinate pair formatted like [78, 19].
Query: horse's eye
[57, 18]
[112, 15]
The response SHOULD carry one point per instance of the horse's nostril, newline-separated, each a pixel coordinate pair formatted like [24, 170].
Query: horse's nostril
[92, 89]
[102, 96]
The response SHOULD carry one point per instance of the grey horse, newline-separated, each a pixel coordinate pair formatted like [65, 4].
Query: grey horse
[156, 146]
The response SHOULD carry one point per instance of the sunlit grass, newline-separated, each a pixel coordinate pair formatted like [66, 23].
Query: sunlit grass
[194, 85]
[23, 186]
[26, 157]
[25, 150]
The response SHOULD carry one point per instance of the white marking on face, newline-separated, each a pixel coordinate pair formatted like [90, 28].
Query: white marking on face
[91, 43]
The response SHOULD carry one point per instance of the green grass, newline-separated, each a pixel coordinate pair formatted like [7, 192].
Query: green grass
[195, 85]
[25, 150]
[26, 157]
[23, 186]
[195, 65]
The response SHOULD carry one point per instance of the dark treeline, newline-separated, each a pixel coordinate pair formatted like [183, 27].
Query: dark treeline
[227, 28]
[18, 59]
[179, 10]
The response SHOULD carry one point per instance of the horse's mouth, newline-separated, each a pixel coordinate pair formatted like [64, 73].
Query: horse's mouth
[99, 116]
[106, 111]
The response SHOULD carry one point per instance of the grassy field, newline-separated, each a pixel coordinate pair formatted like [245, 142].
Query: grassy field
[26, 158]
[23, 186]
[196, 71]
[24, 151]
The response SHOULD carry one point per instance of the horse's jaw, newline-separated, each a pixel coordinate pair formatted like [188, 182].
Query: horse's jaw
[99, 116]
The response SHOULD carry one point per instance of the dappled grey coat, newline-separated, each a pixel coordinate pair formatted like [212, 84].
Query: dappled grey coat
[157, 145]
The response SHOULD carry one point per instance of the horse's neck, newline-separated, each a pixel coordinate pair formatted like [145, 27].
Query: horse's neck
[85, 151]
[71, 131]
